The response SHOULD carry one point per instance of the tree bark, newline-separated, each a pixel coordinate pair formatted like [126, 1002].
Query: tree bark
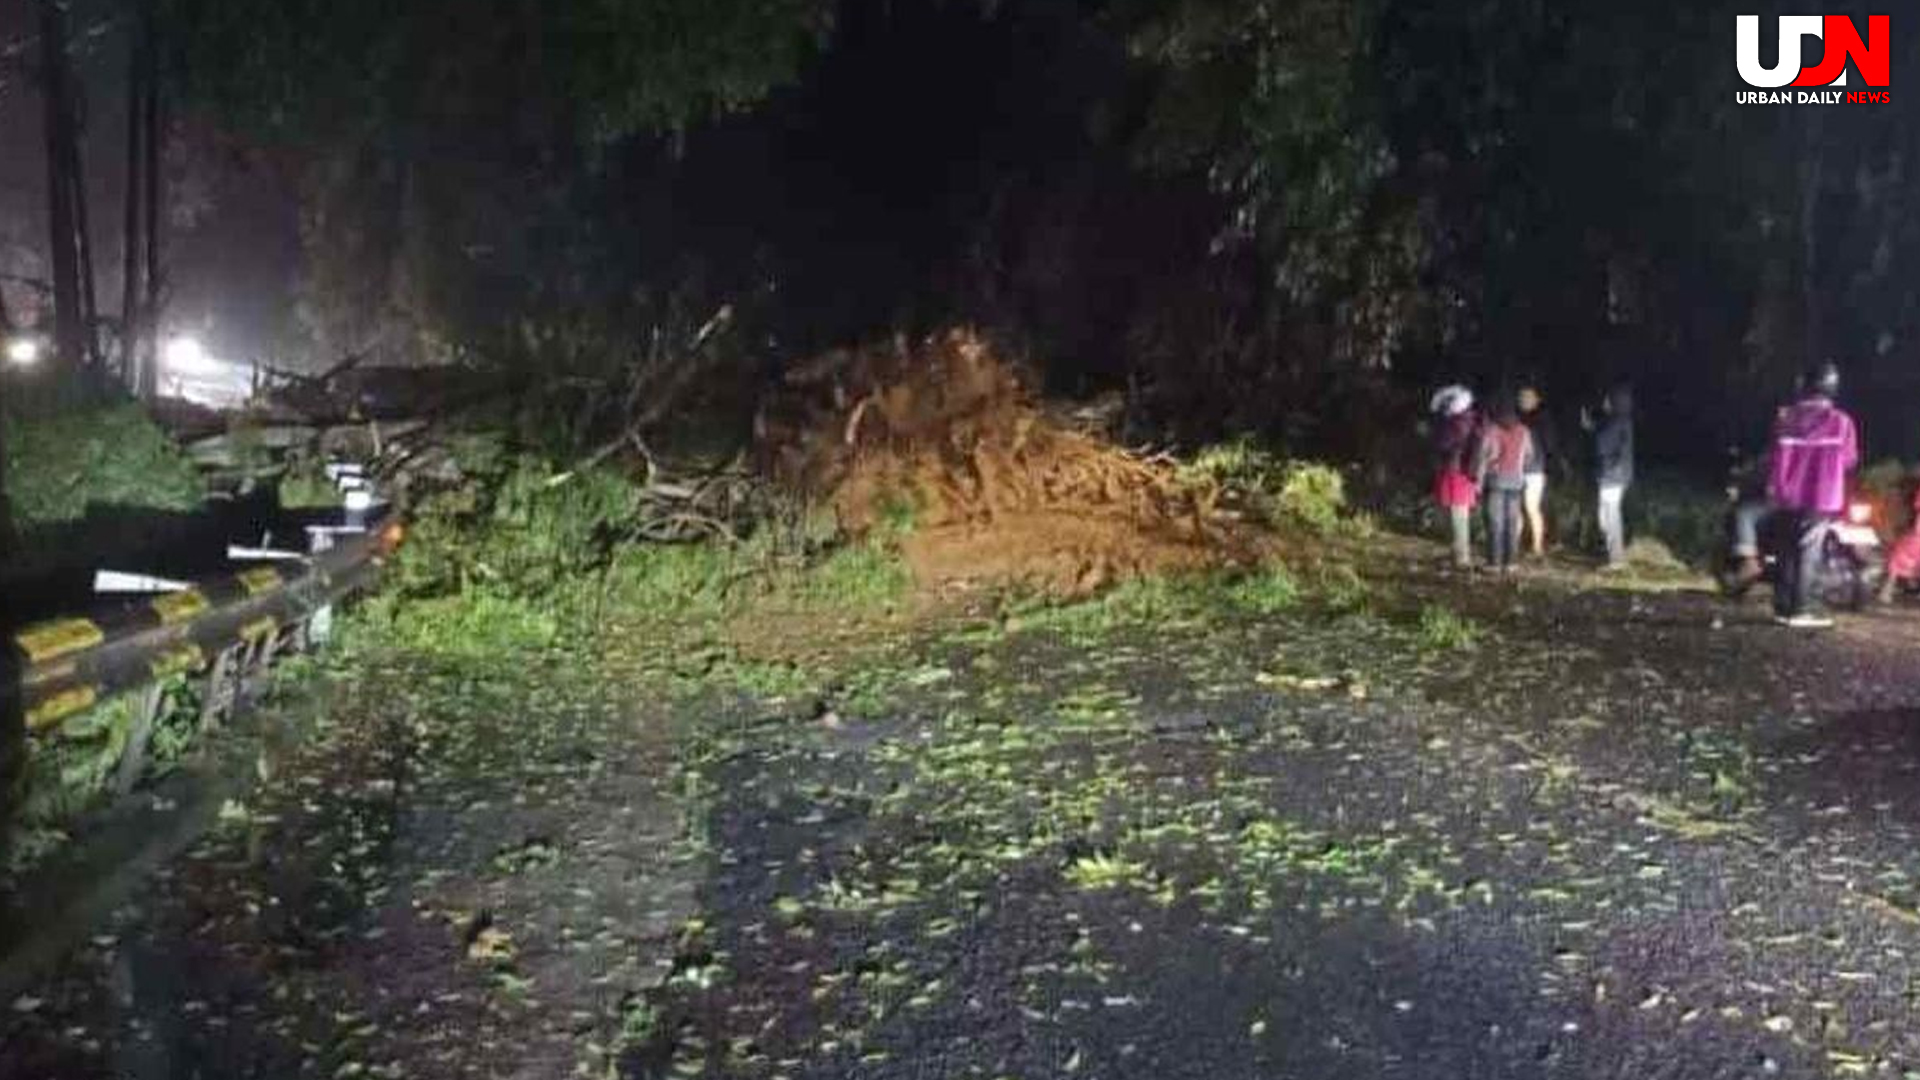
[9, 539]
[152, 120]
[131, 231]
[7, 327]
[83, 249]
[68, 327]
[13, 752]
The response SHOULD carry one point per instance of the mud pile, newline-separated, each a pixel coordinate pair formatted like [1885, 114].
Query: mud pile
[943, 435]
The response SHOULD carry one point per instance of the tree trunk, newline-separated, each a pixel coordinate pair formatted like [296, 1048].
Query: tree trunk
[83, 249]
[131, 231]
[152, 120]
[13, 752]
[7, 327]
[9, 540]
[68, 326]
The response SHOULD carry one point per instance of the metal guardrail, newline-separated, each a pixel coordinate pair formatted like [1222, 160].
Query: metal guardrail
[227, 629]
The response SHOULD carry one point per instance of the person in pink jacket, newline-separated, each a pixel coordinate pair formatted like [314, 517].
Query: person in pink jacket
[1815, 445]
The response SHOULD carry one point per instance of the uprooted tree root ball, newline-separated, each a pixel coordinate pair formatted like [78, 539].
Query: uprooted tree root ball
[944, 436]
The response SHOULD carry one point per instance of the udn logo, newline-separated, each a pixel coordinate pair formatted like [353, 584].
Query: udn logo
[1840, 37]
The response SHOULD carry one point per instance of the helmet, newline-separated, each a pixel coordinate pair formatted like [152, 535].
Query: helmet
[1451, 400]
[1824, 380]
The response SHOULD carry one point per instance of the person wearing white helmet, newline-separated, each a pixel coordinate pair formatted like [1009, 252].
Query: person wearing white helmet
[1456, 452]
[1816, 444]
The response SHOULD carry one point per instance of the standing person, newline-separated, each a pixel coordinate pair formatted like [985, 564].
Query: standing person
[1456, 449]
[1749, 485]
[1539, 423]
[1903, 558]
[1815, 445]
[1507, 458]
[1613, 460]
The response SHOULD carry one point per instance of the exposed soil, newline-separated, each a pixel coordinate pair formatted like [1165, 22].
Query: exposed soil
[999, 489]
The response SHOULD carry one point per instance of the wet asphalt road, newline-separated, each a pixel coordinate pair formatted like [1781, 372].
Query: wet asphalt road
[1627, 835]
[1620, 834]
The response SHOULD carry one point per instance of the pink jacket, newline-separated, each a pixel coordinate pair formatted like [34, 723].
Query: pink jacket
[1815, 446]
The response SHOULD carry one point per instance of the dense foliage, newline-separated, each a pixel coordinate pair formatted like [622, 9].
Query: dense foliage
[66, 454]
[1511, 189]
[1256, 215]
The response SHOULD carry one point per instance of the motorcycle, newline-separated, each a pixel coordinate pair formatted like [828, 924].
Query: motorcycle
[1851, 562]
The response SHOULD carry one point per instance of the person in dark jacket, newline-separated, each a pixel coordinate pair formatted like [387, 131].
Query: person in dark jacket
[1533, 413]
[1507, 456]
[1613, 460]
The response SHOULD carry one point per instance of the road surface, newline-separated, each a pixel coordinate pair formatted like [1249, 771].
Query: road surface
[1565, 832]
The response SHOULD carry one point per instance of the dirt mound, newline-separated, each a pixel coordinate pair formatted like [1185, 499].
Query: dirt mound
[943, 434]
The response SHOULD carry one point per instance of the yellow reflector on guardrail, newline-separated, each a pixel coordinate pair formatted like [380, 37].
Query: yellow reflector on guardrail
[47, 640]
[175, 661]
[40, 676]
[179, 606]
[60, 706]
[260, 579]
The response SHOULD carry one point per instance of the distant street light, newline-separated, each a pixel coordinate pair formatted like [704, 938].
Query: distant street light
[23, 352]
[184, 354]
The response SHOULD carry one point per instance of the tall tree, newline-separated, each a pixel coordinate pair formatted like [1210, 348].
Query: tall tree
[140, 229]
[153, 194]
[63, 215]
[131, 264]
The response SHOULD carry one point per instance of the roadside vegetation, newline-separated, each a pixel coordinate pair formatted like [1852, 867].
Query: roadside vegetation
[1123, 753]
[69, 449]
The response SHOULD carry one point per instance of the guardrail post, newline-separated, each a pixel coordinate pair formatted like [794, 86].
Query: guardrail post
[217, 702]
[133, 760]
[13, 743]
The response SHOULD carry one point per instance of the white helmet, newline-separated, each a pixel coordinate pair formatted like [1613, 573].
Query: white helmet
[1451, 400]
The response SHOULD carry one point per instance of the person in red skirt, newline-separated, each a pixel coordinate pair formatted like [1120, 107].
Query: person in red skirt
[1456, 452]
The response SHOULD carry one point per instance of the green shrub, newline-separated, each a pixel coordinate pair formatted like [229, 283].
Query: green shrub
[517, 533]
[1313, 494]
[1275, 489]
[1236, 463]
[514, 558]
[1442, 628]
[482, 622]
[857, 577]
[72, 770]
[678, 581]
[306, 487]
[1163, 599]
[1341, 588]
[1268, 591]
[62, 459]
[899, 516]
